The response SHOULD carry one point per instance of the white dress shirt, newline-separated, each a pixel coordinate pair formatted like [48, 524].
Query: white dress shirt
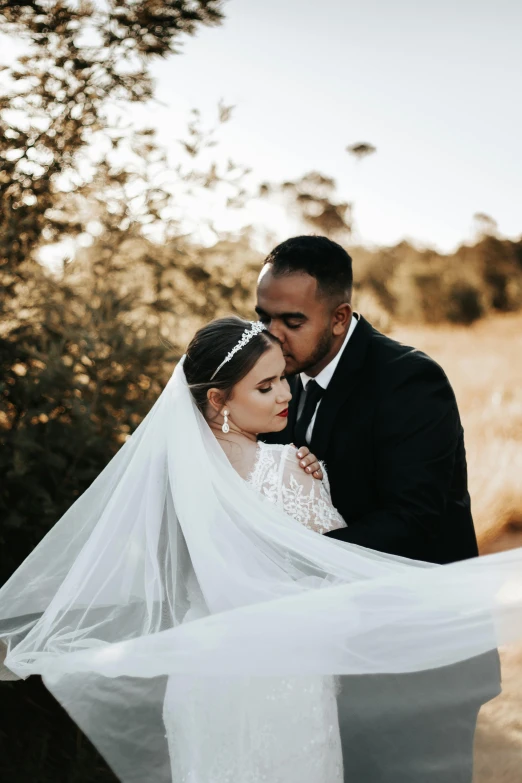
[324, 378]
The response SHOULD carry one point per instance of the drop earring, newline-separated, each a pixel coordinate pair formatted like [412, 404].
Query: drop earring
[225, 427]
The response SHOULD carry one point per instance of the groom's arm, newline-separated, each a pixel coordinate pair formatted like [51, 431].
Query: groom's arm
[416, 442]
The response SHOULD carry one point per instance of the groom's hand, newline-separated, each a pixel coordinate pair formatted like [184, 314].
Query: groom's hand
[309, 462]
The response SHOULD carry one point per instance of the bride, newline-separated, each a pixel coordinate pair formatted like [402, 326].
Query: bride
[185, 612]
[241, 396]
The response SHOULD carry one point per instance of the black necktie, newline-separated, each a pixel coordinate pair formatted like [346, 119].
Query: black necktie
[313, 394]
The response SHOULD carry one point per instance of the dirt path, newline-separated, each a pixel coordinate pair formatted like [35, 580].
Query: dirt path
[498, 745]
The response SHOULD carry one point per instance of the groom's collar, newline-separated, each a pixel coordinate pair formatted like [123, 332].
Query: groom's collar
[325, 376]
[346, 378]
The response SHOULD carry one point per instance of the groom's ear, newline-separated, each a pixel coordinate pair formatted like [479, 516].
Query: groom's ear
[341, 317]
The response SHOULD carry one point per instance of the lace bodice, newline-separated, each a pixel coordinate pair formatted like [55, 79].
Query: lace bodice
[278, 476]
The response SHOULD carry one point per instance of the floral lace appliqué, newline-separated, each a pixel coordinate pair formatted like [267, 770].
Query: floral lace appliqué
[278, 476]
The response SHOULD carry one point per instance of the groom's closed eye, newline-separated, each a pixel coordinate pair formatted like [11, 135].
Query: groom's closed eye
[293, 324]
[290, 320]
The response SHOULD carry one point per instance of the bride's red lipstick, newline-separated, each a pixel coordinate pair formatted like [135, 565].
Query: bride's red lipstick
[284, 413]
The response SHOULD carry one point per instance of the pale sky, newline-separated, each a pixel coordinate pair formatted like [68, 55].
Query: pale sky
[435, 86]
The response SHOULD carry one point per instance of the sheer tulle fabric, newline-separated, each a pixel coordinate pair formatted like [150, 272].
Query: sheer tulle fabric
[172, 576]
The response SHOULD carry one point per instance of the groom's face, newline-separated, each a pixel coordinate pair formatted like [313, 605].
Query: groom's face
[298, 316]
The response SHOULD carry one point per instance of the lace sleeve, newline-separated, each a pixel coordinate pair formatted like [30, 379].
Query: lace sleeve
[305, 498]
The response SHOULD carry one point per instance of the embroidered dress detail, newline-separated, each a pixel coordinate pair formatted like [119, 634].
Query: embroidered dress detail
[278, 476]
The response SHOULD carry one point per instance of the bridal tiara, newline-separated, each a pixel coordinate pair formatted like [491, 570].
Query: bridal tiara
[256, 328]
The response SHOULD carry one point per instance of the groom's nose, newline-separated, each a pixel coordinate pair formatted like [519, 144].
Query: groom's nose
[276, 330]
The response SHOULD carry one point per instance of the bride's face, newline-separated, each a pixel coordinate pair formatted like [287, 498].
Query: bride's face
[259, 402]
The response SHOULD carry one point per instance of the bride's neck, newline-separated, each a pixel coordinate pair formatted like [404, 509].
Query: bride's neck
[234, 435]
[239, 447]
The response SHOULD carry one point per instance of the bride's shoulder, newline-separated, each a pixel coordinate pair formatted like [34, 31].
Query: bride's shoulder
[284, 456]
[275, 456]
[280, 450]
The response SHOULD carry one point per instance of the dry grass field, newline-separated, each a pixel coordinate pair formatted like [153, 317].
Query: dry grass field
[484, 364]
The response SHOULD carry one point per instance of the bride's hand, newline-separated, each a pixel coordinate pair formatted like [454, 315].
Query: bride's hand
[309, 462]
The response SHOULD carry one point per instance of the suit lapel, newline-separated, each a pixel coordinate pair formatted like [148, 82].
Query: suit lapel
[346, 377]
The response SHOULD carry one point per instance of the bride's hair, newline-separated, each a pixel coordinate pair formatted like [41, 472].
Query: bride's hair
[208, 348]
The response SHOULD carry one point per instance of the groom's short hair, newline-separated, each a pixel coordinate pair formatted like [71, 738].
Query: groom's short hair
[319, 257]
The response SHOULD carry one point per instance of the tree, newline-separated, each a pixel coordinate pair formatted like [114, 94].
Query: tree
[313, 197]
[82, 355]
[361, 150]
[485, 225]
[83, 61]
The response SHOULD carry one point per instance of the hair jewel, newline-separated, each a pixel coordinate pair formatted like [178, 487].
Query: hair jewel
[247, 335]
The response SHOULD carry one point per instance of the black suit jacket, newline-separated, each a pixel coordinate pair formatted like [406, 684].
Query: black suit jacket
[389, 431]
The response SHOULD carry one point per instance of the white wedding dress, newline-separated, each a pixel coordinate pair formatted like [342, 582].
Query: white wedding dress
[175, 589]
[267, 728]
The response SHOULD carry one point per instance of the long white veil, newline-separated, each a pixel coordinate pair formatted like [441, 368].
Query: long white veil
[170, 565]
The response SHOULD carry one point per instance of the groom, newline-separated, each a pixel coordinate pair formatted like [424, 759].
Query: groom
[384, 418]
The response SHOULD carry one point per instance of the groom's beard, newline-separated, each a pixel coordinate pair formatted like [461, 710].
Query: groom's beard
[322, 348]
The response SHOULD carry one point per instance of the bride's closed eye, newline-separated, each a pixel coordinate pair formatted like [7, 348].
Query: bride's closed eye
[269, 388]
